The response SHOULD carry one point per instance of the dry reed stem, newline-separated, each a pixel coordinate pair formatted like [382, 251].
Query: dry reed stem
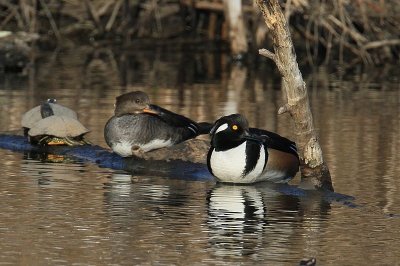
[93, 13]
[367, 29]
[51, 20]
[113, 16]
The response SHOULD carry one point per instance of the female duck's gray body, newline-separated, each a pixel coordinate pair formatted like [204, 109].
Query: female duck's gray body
[239, 154]
[139, 126]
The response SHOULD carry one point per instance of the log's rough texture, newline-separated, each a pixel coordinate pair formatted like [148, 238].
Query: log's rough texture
[193, 150]
[313, 169]
[163, 165]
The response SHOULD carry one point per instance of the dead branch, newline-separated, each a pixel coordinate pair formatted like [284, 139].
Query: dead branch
[313, 169]
[378, 44]
[347, 29]
[93, 14]
[114, 14]
[104, 9]
[268, 54]
[51, 20]
[8, 17]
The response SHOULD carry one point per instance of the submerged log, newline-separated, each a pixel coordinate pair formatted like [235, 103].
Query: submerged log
[194, 150]
[154, 166]
[174, 169]
[314, 171]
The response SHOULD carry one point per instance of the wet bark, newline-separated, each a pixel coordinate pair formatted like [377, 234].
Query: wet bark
[193, 150]
[314, 171]
[237, 29]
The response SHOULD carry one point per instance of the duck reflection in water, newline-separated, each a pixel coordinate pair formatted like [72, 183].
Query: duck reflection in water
[243, 219]
[236, 218]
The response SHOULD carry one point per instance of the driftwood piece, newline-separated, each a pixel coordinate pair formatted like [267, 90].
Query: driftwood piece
[177, 169]
[314, 171]
[193, 150]
[174, 169]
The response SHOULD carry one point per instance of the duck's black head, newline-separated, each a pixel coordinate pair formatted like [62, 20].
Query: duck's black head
[230, 131]
[135, 102]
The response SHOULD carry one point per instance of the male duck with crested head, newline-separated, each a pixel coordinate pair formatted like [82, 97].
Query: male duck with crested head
[138, 126]
[239, 154]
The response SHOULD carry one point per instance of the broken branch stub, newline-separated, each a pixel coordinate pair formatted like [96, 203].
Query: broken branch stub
[314, 171]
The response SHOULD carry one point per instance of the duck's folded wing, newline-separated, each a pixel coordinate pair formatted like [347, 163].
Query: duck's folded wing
[176, 120]
[204, 127]
[276, 141]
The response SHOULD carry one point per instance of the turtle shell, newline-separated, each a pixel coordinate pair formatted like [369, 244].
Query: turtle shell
[59, 126]
[30, 118]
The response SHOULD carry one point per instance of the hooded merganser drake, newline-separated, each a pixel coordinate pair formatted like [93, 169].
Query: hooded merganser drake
[239, 154]
[138, 126]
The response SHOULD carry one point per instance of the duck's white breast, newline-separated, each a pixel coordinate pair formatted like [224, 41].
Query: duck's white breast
[228, 166]
[155, 144]
[124, 148]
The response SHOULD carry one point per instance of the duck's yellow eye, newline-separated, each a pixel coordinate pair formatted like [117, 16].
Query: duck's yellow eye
[234, 127]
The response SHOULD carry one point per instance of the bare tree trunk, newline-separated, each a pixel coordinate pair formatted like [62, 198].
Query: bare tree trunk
[237, 29]
[313, 169]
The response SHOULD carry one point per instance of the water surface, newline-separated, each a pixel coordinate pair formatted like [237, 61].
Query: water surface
[58, 210]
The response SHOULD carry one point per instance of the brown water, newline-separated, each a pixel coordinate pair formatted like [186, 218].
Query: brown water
[73, 212]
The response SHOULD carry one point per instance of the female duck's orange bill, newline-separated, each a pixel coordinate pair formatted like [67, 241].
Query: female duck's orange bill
[149, 110]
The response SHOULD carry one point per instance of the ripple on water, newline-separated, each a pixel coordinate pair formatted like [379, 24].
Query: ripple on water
[71, 212]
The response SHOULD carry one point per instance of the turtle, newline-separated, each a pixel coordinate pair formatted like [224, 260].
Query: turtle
[53, 124]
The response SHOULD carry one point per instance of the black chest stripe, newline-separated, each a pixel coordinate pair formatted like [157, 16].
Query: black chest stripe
[210, 151]
[252, 155]
[266, 156]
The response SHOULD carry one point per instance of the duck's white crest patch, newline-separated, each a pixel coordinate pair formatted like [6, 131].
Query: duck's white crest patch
[228, 166]
[124, 148]
[222, 127]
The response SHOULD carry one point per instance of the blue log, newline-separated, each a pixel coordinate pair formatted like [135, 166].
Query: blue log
[104, 158]
[176, 169]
